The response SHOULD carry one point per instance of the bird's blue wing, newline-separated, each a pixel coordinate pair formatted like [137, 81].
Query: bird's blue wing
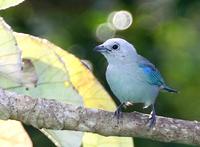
[152, 75]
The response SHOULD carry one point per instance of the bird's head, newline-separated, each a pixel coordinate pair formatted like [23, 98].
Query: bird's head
[117, 50]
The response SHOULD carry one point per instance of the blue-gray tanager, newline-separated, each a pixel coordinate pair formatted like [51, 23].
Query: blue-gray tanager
[131, 77]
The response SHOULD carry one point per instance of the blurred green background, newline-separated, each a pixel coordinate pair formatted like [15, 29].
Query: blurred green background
[167, 32]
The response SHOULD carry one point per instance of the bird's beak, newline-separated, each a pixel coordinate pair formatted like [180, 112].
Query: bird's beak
[100, 48]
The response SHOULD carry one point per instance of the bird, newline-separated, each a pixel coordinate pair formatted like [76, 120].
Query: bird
[131, 77]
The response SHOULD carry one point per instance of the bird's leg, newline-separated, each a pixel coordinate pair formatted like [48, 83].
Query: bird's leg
[152, 117]
[118, 112]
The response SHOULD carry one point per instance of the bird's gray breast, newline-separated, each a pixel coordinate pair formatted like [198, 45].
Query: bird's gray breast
[128, 83]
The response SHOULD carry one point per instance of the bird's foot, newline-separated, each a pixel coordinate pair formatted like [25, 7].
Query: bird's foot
[118, 113]
[152, 119]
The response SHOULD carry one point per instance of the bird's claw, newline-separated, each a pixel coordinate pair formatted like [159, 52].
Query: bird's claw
[152, 119]
[118, 113]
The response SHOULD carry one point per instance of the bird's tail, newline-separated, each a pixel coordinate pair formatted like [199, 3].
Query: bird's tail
[168, 89]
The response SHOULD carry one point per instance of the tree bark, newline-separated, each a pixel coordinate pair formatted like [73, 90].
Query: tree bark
[44, 113]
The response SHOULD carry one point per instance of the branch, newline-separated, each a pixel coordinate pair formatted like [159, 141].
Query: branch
[43, 113]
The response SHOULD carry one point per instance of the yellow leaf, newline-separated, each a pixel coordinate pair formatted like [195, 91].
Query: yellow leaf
[11, 65]
[53, 82]
[93, 94]
[9, 3]
[12, 134]
[11, 68]
[10, 53]
[61, 75]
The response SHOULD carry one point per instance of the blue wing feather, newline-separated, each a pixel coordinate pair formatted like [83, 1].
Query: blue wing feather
[153, 75]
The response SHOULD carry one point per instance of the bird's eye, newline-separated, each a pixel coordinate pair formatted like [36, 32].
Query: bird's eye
[115, 46]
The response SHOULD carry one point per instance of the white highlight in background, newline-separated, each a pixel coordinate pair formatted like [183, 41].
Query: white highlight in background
[120, 20]
[105, 31]
[117, 20]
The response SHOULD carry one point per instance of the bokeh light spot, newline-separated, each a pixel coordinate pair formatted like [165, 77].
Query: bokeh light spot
[105, 31]
[121, 20]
